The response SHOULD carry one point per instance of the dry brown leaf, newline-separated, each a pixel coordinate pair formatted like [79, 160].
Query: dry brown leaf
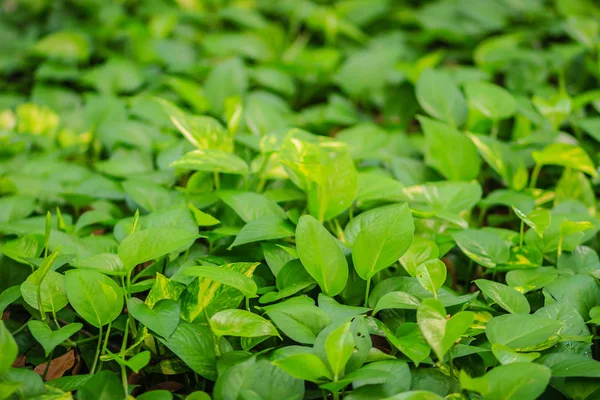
[58, 366]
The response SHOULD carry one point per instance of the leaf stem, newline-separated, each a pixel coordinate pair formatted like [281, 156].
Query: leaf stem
[451, 363]
[534, 176]
[367, 292]
[47, 365]
[97, 356]
[217, 180]
[521, 233]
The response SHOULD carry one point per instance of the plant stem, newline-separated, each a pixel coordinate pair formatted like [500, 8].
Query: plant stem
[122, 354]
[521, 233]
[495, 129]
[21, 328]
[367, 292]
[47, 365]
[97, 356]
[451, 363]
[217, 181]
[247, 303]
[470, 271]
[534, 176]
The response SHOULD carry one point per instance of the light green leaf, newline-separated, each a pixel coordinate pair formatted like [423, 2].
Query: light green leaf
[241, 323]
[534, 331]
[439, 137]
[299, 319]
[339, 346]
[212, 161]
[431, 275]
[150, 244]
[162, 318]
[483, 247]
[8, 347]
[441, 98]
[505, 296]
[95, 297]
[491, 100]
[506, 355]
[397, 300]
[321, 255]
[265, 228]
[565, 155]
[226, 276]
[538, 219]
[48, 338]
[305, 366]
[383, 242]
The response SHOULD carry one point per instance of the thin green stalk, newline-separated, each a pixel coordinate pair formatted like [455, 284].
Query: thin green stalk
[21, 328]
[247, 303]
[336, 396]
[97, 355]
[470, 271]
[521, 233]
[47, 365]
[216, 180]
[122, 354]
[534, 176]
[451, 363]
[367, 292]
[495, 128]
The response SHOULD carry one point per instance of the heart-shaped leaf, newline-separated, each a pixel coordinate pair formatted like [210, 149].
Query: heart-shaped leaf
[163, 318]
[48, 338]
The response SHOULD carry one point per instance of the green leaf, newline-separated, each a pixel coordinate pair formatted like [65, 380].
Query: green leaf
[48, 338]
[538, 219]
[104, 385]
[531, 279]
[63, 45]
[483, 247]
[565, 155]
[339, 346]
[490, 100]
[439, 137]
[241, 323]
[305, 366]
[410, 341]
[420, 250]
[431, 275]
[135, 363]
[441, 334]
[194, 344]
[251, 206]
[441, 98]
[210, 160]
[95, 297]
[265, 228]
[397, 300]
[226, 80]
[299, 319]
[321, 255]
[203, 132]
[162, 318]
[505, 296]
[51, 290]
[150, 244]
[506, 355]
[415, 395]
[9, 296]
[383, 242]
[9, 348]
[534, 332]
[226, 276]
[517, 381]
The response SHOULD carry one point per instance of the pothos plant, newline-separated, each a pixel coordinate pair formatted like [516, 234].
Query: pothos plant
[296, 199]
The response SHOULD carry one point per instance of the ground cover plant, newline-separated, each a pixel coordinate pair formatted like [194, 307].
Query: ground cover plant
[294, 199]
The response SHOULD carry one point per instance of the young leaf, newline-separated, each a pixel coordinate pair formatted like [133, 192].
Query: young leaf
[538, 219]
[150, 244]
[483, 247]
[505, 296]
[321, 255]
[194, 344]
[226, 276]
[439, 137]
[565, 155]
[48, 338]
[95, 297]
[339, 345]
[9, 348]
[397, 300]
[441, 98]
[490, 100]
[383, 242]
[431, 275]
[162, 318]
[305, 366]
[241, 323]
[534, 332]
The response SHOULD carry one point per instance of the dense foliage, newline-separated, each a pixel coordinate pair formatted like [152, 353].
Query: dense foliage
[299, 199]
